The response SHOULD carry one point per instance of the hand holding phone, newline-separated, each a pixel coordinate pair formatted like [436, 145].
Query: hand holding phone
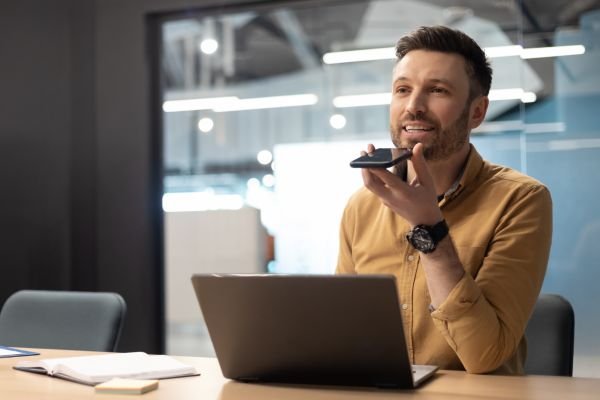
[382, 158]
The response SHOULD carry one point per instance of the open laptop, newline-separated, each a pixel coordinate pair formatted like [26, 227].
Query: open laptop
[311, 329]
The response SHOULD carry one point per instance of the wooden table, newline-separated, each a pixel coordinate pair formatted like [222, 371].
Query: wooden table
[18, 385]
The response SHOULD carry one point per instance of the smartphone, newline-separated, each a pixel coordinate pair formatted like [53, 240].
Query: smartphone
[382, 158]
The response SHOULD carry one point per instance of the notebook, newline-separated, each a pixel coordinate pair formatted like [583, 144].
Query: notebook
[311, 329]
[91, 370]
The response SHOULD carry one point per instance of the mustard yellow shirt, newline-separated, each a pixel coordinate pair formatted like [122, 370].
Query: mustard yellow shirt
[501, 225]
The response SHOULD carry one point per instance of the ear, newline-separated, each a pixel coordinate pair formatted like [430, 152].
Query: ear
[477, 111]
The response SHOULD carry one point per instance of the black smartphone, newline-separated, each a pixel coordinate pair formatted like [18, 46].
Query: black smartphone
[382, 158]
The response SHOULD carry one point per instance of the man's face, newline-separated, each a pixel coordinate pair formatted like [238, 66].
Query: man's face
[430, 91]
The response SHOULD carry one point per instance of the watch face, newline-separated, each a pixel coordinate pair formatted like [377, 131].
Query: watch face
[421, 240]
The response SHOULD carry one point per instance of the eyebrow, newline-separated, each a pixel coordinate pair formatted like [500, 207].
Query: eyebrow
[434, 80]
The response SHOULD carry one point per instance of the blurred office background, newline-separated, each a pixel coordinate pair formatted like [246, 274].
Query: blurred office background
[144, 141]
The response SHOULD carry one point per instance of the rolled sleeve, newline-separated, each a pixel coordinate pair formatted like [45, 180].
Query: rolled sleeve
[455, 318]
[460, 300]
[484, 316]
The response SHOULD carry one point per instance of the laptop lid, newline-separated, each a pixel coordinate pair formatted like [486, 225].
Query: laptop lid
[317, 329]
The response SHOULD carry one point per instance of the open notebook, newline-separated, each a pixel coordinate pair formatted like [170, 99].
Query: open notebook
[315, 329]
[91, 370]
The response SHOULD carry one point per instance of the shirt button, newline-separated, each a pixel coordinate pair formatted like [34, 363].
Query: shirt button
[405, 306]
[411, 257]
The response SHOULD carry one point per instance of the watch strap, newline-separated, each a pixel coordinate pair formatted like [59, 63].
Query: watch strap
[438, 231]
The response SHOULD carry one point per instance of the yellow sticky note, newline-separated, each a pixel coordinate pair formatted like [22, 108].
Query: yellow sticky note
[127, 386]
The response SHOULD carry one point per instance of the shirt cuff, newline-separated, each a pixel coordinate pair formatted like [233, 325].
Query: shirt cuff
[462, 297]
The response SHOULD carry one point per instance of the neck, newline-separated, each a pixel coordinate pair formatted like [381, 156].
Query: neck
[445, 172]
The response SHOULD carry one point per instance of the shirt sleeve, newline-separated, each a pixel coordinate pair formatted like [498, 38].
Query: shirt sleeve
[484, 317]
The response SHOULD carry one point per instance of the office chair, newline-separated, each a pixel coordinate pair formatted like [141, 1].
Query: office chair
[550, 335]
[62, 320]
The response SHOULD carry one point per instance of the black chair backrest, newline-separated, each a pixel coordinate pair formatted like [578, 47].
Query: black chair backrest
[62, 320]
[550, 337]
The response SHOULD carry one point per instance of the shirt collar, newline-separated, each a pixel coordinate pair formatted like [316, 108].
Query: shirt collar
[467, 175]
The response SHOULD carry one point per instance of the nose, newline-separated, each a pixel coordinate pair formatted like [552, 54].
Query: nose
[416, 105]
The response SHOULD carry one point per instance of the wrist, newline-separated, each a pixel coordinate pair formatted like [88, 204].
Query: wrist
[430, 219]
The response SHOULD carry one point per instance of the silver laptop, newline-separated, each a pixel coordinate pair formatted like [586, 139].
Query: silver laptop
[311, 329]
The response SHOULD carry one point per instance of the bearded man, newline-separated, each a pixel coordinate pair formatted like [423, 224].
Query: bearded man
[468, 241]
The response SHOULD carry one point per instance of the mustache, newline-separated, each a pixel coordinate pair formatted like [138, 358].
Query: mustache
[418, 118]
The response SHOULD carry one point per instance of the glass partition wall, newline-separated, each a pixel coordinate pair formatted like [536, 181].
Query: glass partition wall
[264, 107]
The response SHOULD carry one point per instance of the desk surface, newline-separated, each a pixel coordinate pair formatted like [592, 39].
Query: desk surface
[19, 385]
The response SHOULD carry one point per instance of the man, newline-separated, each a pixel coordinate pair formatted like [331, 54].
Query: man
[468, 241]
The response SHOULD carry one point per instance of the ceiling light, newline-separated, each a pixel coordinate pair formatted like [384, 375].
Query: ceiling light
[556, 51]
[528, 97]
[376, 99]
[337, 121]
[209, 46]
[253, 184]
[503, 51]
[512, 94]
[389, 53]
[264, 157]
[205, 125]
[338, 57]
[233, 103]
[268, 180]
[506, 94]
[207, 103]
[267, 102]
[361, 100]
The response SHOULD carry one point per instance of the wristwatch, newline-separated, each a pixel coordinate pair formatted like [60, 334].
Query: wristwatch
[425, 238]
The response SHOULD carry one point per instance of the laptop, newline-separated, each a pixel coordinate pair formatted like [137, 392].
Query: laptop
[308, 329]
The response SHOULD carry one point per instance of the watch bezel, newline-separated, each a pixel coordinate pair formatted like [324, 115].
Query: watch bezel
[420, 238]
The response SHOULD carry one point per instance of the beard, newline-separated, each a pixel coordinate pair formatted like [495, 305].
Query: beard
[443, 143]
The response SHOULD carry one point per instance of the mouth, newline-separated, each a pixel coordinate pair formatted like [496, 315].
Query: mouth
[417, 128]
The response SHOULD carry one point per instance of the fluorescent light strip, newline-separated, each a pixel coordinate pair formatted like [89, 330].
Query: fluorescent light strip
[503, 51]
[378, 99]
[338, 57]
[528, 97]
[506, 94]
[196, 104]
[556, 51]
[361, 100]
[232, 103]
[267, 102]
[512, 94]
[389, 53]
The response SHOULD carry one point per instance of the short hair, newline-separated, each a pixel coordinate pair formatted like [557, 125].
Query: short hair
[447, 40]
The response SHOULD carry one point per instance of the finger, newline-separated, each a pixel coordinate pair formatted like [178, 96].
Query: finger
[370, 149]
[387, 177]
[369, 178]
[419, 164]
[373, 182]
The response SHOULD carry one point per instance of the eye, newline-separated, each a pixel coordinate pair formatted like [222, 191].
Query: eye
[440, 90]
[401, 90]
